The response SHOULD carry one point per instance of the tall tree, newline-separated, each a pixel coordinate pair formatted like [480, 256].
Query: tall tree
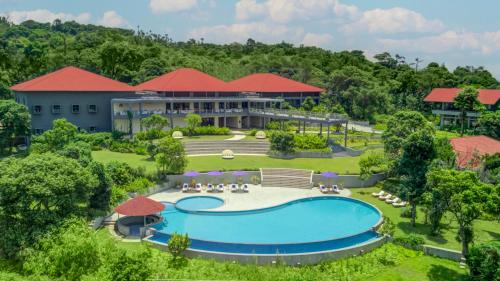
[171, 157]
[155, 122]
[489, 124]
[193, 121]
[466, 101]
[15, 122]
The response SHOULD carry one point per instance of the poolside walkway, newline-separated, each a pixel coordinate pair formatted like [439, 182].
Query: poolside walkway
[257, 197]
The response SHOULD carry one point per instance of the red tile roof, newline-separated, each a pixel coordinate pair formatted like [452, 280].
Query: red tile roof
[485, 96]
[185, 80]
[271, 83]
[140, 206]
[466, 147]
[72, 79]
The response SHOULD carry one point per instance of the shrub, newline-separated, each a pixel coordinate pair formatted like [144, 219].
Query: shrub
[177, 244]
[120, 172]
[387, 227]
[141, 150]
[152, 134]
[411, 241]
[406, 212]
[253, 132]
[211, 130]
[309, 142]
[484, 261]
[96, 139]
[282, 142]
[140, 185]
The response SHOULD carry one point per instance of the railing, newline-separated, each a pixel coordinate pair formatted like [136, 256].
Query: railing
[137, 113]
[298, 114]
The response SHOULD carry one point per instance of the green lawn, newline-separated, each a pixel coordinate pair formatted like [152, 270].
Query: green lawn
[483, 230]
[342, 165]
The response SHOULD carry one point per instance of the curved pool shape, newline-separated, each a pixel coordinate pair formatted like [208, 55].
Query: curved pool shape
[304, 225]
[196, 203]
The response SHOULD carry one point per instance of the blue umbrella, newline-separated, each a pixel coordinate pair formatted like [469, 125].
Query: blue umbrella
[191, 174]
[215, 173]
[240, 173]
[329, 174]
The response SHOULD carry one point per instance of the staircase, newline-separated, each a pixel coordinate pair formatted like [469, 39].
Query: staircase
[216, 147]
[282, 177]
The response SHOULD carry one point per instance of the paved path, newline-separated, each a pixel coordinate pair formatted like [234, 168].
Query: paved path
[257, 197]
[237, 135]
[361, 128]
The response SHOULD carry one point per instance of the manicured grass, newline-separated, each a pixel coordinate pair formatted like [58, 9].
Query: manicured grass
[483, 230]
[342, 165]
[446, 134]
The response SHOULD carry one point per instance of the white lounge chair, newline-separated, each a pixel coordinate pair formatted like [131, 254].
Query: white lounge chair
[335, 188]
[393, 200]
[245, 188]
[185, 187]
[385, 197]
[234, 188]
[220, 187]
[197, 187]
[378, 194]
[210, 187]
[323, 189]
[400, 204]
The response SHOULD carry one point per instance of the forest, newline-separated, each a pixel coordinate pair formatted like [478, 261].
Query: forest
[362, 87]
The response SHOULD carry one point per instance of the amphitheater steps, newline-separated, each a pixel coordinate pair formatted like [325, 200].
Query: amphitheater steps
[286, 178]
[216, 147]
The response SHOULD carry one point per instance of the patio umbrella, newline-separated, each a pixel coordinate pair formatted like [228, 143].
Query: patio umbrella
[191, 174]
[329, 175]
[240, 173]
[215, 173]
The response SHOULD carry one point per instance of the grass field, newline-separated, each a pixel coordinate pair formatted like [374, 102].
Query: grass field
[343, 165]
[483, 230]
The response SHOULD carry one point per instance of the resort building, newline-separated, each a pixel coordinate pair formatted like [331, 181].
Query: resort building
[442, 104]
[471, 149]
[96, 103]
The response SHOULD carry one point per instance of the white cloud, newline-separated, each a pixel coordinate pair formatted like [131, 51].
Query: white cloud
[168, 6]
[319, 40]
[43, 15]
[393, 20]
[245, 9]
[112, 19]
[449, 41]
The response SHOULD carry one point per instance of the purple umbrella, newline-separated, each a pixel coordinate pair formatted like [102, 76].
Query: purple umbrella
[240, 173]
[215, 173]
[191, 174]
[329, 174]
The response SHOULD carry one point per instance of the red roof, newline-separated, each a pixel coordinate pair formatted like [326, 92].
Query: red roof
[185, 80]
[271, 83]
[466, 147]
[72, 79]
[485, 96]
[140, 206]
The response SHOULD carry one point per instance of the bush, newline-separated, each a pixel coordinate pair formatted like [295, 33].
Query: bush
[253, 132]
[387, 227]
[177, 244]
[96, 140]
[211, 130]
[151, 135]
[309, 142]
[282, 142]
[411, 241]
[406, 212]
[484, 261]
[140, 185]
[120, 172]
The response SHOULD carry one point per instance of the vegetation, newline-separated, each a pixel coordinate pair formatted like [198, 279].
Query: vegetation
[171, 158]
[484, 262]
[467, 101]
[193, 121]
[15, 122]
[282, 141]
[489, 124]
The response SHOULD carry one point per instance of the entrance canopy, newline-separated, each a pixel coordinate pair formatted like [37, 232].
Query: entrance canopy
[140, 206]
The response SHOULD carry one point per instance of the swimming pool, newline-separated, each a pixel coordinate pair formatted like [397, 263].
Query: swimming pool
[306, 225]
[196, 203]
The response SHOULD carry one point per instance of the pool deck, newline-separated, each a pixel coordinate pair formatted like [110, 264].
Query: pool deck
[257, 197]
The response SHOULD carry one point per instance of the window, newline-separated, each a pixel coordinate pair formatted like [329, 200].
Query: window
[92, 108]
[38, 131]
[92, 129]
[37, 109]
[75, 108]
[56, 108]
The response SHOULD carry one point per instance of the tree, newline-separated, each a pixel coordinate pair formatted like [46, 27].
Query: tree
[399, 127]
[484, 261]
[282, 141]
[308, 104]
[170, 157]
[489, 124]
[61, 134]
[417, 154]
[466, 101]
[155, 122]
[445, 155]
[100, 197]
[37, 192]
[466, 197]
[15, 122]
[177, 244]
[193, 121]
[372, 162]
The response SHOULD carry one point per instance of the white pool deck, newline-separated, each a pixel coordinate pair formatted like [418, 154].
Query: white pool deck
[257, 197]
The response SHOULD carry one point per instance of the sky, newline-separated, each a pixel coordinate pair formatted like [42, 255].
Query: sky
[450, 32]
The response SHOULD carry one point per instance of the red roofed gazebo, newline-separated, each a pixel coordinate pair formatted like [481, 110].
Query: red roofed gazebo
[140, 206]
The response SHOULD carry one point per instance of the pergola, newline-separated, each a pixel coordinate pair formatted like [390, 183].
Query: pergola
[140, 206]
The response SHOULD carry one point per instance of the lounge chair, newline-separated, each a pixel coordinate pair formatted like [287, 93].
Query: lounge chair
[210, 187]
[385, 197]
[234, 187]
[393, 200]
[197, 187]
[185, 187]
[220, 187]
[378, 194]
[245, 188]
[323, 189]
[400, 204]
[335, 188]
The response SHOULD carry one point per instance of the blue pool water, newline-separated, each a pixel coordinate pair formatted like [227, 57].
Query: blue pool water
[195, 203]
[304, 225]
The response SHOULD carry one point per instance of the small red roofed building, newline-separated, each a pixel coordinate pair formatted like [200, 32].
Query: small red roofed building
[471, 149]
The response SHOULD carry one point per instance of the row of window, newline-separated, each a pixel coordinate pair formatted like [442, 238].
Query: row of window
[57, 109]
[92, 129]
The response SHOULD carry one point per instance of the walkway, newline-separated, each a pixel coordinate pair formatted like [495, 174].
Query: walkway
[237, 135]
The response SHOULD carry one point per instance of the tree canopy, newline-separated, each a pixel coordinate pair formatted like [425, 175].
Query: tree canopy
[15, 122]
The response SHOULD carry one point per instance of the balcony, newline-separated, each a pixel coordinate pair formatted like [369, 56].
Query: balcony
[454, 113]
[182, 112]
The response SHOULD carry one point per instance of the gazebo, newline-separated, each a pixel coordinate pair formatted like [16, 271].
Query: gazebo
[139, 212]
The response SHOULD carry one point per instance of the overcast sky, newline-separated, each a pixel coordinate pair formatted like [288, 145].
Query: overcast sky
[454, 32]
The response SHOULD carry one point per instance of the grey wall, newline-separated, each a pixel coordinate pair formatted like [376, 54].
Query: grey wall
[84, 119]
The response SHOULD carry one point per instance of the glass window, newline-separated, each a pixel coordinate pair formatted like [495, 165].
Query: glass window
[37, 109]
[56, 108]
[92, 129]
[75, 108]
[92, 108]
[38, 131]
